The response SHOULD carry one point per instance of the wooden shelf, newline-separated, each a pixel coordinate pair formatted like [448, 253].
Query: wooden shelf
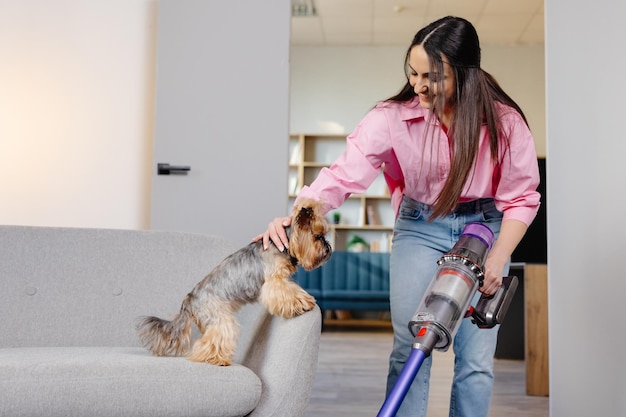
[315, 165]
[309, 154]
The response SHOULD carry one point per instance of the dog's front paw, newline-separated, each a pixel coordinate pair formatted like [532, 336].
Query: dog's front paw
[286, 300]
[302, 302]
[307, 301]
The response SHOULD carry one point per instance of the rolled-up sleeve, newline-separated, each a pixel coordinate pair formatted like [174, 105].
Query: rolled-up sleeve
[357, 167]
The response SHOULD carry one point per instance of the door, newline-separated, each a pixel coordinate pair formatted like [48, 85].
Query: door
[222, 112]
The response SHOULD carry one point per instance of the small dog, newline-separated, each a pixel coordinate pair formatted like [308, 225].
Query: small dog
[249, 274]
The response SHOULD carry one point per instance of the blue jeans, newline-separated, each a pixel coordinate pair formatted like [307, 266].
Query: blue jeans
[417, 245]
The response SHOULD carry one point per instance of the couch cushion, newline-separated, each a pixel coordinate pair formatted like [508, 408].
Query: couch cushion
[122, 382]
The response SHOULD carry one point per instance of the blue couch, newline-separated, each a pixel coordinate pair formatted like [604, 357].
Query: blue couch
[350, 281]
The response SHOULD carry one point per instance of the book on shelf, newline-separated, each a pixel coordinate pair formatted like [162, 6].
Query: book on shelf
[295, 154]
[293, 185]
[383, 244]
[371, 216]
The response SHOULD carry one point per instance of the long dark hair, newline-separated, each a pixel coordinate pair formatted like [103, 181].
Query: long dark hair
[474, 100]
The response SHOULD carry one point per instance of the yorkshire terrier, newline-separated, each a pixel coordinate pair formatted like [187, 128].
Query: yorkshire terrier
[249, 274]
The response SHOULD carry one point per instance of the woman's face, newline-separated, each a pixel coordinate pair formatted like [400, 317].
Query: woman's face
[420, 79]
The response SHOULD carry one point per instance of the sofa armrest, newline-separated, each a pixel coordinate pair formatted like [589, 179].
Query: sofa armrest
[283, 353]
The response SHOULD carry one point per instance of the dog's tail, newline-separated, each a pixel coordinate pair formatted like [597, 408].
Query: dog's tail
[167, 338]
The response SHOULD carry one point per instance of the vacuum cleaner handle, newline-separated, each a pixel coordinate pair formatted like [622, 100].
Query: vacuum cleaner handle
[491, 309]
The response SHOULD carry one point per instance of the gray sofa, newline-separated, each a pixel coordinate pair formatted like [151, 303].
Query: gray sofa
[69, 301]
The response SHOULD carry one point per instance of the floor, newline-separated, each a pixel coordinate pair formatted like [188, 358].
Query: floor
[352, 369]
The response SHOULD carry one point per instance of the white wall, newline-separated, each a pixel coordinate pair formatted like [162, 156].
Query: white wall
[76, 112]
[587, 201]
[77, 106]
[333, 87]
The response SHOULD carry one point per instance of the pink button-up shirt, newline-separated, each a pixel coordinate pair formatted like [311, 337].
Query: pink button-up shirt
[399, 136]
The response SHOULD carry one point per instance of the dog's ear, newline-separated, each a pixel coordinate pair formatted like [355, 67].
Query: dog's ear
[304, 217]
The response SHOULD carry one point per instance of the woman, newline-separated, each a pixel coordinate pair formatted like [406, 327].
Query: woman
[455, 148]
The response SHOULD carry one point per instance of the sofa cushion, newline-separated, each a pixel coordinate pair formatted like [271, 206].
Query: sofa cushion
[122, 382]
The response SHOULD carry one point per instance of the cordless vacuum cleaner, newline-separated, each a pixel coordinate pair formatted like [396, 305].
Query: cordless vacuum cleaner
[447, 302]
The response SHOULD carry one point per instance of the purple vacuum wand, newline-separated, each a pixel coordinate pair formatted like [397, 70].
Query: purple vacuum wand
[446, 302]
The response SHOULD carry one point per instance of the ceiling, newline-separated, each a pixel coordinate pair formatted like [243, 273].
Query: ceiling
[395, 22]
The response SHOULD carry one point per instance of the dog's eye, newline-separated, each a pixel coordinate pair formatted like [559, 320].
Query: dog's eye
[319, 237]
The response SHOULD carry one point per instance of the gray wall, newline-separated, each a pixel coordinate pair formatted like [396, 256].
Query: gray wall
[586, 206]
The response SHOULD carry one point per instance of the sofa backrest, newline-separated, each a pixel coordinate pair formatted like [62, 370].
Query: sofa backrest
[87, 287]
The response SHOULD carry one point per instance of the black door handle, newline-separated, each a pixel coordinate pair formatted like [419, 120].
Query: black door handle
[167, 169]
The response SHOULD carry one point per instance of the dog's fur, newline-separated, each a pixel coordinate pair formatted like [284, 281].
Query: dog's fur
[249, 274]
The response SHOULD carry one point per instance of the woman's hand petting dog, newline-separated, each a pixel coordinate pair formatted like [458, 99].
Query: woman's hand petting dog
[276, 233]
